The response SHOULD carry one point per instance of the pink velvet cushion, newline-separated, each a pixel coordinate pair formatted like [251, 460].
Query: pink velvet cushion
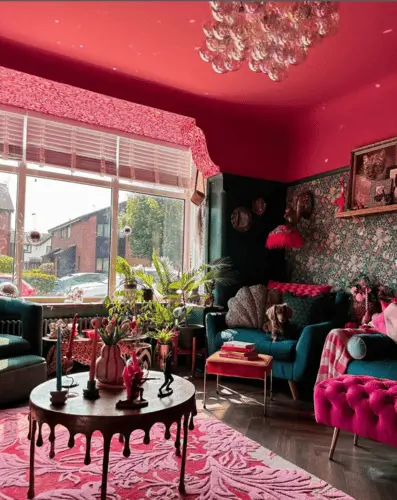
[379, 323]
[390, 315]
[299, 288]
[360, 404]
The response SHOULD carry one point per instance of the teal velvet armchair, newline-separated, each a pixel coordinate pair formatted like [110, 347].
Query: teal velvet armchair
[22, 366]
[293, 360]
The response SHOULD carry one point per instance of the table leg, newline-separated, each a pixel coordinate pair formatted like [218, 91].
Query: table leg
[184, 451]
[31, 459]
[178, 440]
[205, 386]
[194, 347]
[271, 385]
[105, 467]
[217, 384]
[264, 395]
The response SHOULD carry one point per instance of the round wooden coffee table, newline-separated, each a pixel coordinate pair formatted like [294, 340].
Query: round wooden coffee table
[81, 416]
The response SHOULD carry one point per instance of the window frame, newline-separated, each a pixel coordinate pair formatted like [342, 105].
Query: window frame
[111, 182]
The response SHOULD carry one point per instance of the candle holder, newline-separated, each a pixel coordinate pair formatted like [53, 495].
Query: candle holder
[92, 391]
[58, 398]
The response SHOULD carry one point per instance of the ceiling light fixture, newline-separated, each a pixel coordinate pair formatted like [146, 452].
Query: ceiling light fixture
[270, 36]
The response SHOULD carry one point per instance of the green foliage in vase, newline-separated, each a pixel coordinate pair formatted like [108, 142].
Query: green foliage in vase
[116, 330]
[164, 336]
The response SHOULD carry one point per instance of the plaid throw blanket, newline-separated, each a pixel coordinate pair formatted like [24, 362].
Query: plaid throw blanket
[335, 358]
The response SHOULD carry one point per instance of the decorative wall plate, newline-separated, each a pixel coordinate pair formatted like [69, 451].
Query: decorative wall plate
[241, 219]
[259, 206]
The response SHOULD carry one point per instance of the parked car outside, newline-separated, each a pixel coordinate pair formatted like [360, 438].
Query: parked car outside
[63, 285]
[27, 290]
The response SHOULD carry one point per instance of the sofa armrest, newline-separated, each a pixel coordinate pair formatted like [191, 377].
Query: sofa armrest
[372, 346]
[31, 316]
[215, 323]
[309, 349]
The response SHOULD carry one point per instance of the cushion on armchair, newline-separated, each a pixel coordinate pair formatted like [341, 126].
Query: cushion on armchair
[308, 310]
[371, 346]
[12, 345]
[247, 308]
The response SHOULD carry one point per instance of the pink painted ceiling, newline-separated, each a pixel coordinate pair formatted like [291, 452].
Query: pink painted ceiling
[157, 42]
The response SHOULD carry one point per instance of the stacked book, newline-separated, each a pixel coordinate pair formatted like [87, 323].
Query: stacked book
[239, 350]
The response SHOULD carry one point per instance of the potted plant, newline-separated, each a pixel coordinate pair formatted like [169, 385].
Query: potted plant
[128, 273]
[165, 337]
[147, 283]
[110, 364]
[187, 286]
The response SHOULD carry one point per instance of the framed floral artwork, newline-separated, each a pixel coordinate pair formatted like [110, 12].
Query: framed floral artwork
[369, 165]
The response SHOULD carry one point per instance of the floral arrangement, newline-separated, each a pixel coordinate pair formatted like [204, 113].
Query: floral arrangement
[165, 335]
[115, 329]
[373, 291]
[75, 295]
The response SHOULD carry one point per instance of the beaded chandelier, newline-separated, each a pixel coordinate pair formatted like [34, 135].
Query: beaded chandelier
[269, 36]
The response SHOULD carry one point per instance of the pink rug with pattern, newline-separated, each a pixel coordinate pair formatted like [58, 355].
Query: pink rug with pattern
[222, 464]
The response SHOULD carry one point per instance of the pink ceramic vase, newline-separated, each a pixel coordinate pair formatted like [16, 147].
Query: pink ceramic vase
[110, 366]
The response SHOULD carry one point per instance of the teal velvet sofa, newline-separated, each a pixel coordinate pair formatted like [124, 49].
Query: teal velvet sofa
[376, 355]
[293, 360]
[22, 366]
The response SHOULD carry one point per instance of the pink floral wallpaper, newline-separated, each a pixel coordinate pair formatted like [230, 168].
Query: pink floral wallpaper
[64, 101]
[336, 251]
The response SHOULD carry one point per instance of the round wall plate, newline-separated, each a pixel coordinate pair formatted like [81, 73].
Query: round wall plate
[241, 219]
[259, 206]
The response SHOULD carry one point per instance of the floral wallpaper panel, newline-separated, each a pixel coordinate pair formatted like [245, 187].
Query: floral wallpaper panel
[337, 251]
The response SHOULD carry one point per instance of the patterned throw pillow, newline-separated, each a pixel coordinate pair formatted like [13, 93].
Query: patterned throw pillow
[301, 289]
[308, 310]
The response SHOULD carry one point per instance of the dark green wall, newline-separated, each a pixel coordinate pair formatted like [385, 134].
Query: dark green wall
[254, 262]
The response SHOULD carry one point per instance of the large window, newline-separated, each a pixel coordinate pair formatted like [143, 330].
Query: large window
[8, 203]
[79, 189]
[156, 223]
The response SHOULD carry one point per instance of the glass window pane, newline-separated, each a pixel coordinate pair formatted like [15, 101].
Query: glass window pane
[156, 223]
[66, 214]
[8, 203]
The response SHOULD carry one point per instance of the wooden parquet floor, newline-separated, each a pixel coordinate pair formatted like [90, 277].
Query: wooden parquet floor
[366, 472]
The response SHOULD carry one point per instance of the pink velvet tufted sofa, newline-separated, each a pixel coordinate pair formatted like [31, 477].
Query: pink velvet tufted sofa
[365, 406]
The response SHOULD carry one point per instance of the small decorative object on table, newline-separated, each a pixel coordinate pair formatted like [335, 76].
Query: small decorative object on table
[110, 365]
[133, 381]
[92, 391]
[58, 397]
[69, 361]
[168, 378]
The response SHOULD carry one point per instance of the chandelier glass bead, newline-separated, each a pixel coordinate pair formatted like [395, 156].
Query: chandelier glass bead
[268, 36]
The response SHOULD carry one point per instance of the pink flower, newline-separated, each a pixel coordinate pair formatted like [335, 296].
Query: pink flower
[354, 289]
[362, 283]
[359, 297]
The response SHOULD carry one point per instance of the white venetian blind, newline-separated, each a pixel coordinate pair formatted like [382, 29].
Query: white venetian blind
[63, 145]
[11, 135]
[150, 162]
[53, 143]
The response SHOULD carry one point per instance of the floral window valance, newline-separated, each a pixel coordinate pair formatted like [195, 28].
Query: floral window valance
[60, 100]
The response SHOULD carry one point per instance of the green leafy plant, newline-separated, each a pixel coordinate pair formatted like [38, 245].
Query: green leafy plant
[128, 273]
[114, 330]
[164, 336]
[165, 274]
[147, 279]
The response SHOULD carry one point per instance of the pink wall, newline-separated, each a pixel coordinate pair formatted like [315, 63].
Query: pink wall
[323, 137]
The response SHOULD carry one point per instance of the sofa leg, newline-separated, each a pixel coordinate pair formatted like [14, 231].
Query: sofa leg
[293, 389]
[333, 444]
[355, 440]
